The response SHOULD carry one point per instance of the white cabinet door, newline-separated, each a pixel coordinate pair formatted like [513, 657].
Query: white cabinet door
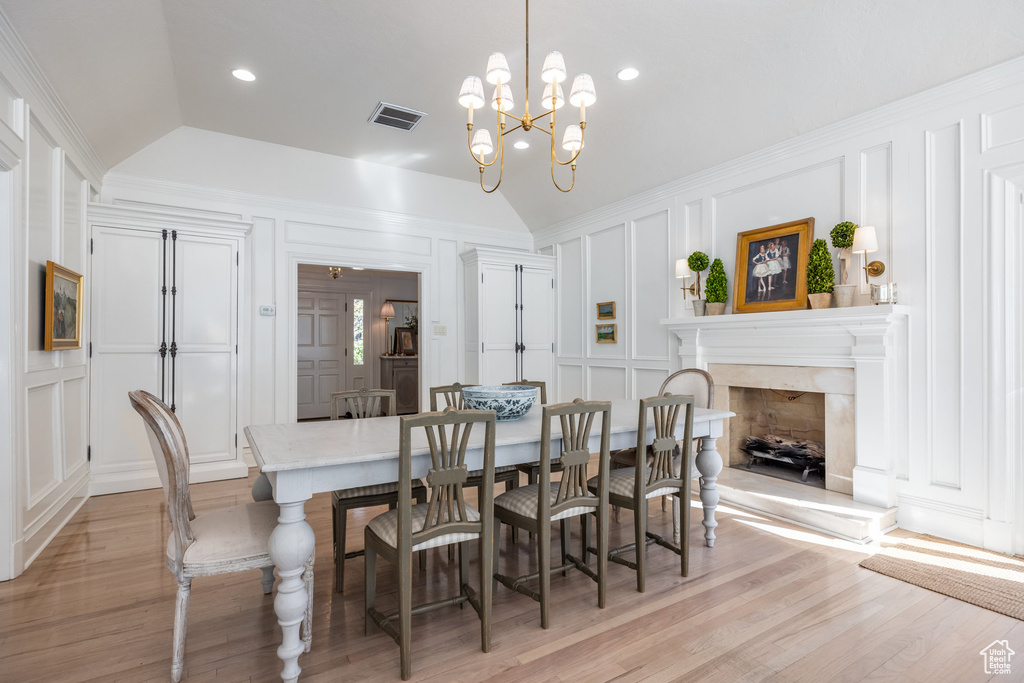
[127, 315]
[538, 324]
[197, 320]
[204, 318]
[498, 324]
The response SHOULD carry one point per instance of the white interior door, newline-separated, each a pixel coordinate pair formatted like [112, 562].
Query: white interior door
[127, 325]
[321, 353]
[204, 367]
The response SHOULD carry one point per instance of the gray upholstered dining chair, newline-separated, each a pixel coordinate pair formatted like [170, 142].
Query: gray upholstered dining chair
[445, 520]
[222, 541]
[360, 404]
[534, 507]
[665, 473]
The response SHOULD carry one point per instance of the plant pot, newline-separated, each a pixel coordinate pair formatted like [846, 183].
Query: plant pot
[699, 306]
[716, 307]
[822, 300]
[844, 295]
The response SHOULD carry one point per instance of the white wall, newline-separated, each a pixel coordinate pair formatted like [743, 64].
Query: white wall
[939, 175]
[290, 229]
[47, 172]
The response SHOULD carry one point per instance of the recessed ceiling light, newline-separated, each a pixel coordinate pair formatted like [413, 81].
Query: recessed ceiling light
[521, 144]
[628, 73]
[357, 268]
[243, 75]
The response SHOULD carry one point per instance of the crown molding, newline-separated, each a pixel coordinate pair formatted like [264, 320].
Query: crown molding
[351, 216]
[41, 95]
[1006, 75]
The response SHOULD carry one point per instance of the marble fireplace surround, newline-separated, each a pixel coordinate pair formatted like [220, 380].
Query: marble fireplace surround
[856, 356]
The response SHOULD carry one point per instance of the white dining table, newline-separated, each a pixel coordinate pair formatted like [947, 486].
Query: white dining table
[301, 459]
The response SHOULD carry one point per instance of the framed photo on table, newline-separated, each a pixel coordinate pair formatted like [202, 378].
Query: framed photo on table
[771, 267]
[405, 341]
[63, 316]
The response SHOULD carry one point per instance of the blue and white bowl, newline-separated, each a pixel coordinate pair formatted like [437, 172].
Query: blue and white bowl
[509, 402]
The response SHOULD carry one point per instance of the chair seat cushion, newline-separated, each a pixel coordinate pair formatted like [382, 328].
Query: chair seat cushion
[386, 527]
[375, 490]
[229, 536]
[524, 501]
[620, 483]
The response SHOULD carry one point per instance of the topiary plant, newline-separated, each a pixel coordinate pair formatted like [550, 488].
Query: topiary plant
[842, 235]
[717, 289]
[697, 261]
[820, 272]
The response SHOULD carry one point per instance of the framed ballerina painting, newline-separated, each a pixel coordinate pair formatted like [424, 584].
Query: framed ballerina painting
[771, 267]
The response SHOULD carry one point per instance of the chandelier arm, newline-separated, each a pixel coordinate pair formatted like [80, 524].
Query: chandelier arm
[560, 188]
[501, 170]
[513, 129]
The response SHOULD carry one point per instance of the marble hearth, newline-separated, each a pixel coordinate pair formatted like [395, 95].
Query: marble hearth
[857, 357]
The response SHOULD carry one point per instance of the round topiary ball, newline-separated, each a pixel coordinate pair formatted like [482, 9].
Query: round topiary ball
[842, 234]
[698, 261]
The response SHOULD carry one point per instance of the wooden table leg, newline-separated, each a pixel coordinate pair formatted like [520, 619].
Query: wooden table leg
[291, 544]
[709, 464]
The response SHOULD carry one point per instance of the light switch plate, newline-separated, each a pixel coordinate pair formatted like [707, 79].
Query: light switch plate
[440, 330]
[268, 310]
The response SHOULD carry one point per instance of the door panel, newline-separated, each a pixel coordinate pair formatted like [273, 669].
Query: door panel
[321, 352]
[498, 324]
[538, 324]
[359, 361]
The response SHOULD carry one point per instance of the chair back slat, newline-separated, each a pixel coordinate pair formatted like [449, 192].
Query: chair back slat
[531, 383]
[362, 403]
[448, 437]
[576, 420]
[170, 450]
[662, 451]
[452, 394]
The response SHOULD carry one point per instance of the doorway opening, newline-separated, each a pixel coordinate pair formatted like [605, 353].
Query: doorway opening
[344, 340]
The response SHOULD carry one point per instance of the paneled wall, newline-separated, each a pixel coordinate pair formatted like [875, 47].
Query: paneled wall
[292, 230]
[940, 177]
[47, 174]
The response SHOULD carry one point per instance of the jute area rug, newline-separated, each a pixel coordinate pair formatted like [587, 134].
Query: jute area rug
[980, 577]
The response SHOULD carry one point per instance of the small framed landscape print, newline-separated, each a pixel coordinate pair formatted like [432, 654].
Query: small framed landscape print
[606, 311]
[606, 334]
[63, 315]
[405, 341]
[771, 267]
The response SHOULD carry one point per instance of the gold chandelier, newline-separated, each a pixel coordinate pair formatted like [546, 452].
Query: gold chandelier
[471, 97]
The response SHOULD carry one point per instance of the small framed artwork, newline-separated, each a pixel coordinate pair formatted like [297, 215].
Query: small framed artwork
[606, 334]
[606, 311]
[405, 341]
[63, 316]
[771, 267]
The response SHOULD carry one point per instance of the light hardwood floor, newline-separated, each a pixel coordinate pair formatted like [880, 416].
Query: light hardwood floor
[770, 602]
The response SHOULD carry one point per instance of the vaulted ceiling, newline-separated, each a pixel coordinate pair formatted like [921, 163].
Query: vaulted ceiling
[719, 78]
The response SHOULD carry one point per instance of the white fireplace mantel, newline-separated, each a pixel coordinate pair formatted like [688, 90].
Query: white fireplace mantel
[870, 339]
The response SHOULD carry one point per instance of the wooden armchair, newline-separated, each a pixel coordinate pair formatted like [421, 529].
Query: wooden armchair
[360, 404]
[221, 541]
[445, 520]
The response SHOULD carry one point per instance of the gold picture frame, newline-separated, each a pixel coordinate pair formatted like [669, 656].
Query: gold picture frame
[606, 310]
[62, 321]
[761, 286]
[606, 334]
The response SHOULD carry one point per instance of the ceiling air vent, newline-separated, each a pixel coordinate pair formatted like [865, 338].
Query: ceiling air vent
[396, 117]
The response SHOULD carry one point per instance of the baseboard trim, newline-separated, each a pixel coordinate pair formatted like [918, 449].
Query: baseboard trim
[121, 482]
